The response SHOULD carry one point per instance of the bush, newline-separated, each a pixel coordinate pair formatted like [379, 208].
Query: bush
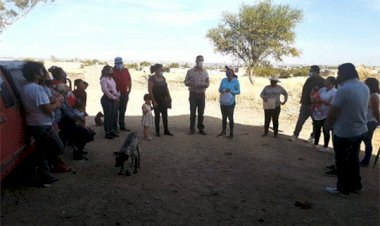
[173, 65]
[297, 72]
[145, 64]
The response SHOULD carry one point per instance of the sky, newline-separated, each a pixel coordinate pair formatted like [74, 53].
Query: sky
[331, 32]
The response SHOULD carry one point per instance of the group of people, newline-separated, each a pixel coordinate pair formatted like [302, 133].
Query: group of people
[343, 106]
[347, 108]
[116, 82]
[54, 113]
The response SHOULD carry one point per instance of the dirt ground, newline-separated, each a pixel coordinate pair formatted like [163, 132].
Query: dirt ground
[197, 180]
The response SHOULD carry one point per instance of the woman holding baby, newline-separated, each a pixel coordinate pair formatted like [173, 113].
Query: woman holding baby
[325, 96]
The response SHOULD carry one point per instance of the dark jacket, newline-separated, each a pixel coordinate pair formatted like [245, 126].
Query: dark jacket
[308, 86]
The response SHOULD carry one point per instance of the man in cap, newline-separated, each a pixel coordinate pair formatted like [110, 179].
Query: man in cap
[123, 85]
[347, 116]
[314, 80]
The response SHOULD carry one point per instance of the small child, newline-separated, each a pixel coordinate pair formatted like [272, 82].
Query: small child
[147, 117]
[315, 100]
[80, 94]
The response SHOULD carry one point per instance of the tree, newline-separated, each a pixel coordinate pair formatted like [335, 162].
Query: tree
[257, 33]
[12, 10]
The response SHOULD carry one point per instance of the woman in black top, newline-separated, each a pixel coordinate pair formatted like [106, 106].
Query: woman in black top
[158, 90]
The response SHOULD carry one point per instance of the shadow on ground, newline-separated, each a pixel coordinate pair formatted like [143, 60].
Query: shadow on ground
[194, 180]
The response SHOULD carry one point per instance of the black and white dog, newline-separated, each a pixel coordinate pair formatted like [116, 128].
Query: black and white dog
[129, 150]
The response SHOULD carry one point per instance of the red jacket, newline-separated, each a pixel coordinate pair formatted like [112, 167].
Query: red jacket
[123, 80]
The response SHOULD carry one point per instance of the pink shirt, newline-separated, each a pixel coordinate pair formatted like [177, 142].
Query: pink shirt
[109, 88]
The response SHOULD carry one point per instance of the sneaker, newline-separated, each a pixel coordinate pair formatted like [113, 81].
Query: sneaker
[334, 191]
[332, 172]
[323, 149]
[293, 138]
[310, 140]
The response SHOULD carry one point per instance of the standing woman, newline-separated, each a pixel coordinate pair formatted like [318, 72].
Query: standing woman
[326, 94]
[373, 117]
[109, 102]
[159, 91]
[229, 87]
[272, 104]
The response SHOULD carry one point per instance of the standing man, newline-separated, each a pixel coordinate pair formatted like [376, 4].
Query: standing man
[347, 115]
[314, 80]
[198, 81]
[123, 85]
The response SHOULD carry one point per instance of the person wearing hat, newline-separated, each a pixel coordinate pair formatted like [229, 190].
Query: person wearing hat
[123, 85]
[272, 103]
[229, 87]
[347, 117]
[314, 80]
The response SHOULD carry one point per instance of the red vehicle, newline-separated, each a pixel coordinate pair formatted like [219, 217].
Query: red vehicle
[14, 147]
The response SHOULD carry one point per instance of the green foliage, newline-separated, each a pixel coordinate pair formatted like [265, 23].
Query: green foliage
[12, 10]
[132, 66]
[173, 65]
[300, 71]
[258, 32]
[90, 62]
[267, 71]
[145, 64]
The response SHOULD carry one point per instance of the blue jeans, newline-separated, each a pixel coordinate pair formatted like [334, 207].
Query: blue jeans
[49, 145]
[367, 138]
[197, 100]
[347, 163]
[110, 114]
[123, 101]
[228, 112]
[304, 114]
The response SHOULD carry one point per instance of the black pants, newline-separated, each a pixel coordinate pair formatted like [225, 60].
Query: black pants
[317, 126]
[228, 112]
[272, 114]
[347, 163]
[197, 101]
[160, 110]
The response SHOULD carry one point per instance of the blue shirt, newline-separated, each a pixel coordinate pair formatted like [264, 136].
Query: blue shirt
[234, 88]
[351, 99]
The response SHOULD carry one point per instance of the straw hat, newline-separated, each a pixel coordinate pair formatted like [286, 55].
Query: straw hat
[274, 78]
